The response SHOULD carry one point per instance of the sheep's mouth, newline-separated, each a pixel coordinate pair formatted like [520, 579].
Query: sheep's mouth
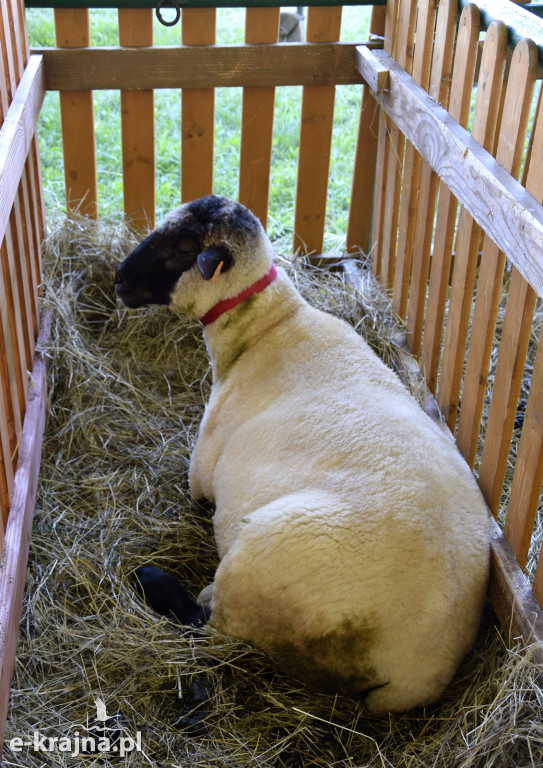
[133, 299]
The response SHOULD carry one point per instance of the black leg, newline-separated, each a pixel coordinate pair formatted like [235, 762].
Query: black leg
[167, 596]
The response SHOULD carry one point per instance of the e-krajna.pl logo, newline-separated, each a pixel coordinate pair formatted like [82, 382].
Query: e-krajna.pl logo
[96, 739]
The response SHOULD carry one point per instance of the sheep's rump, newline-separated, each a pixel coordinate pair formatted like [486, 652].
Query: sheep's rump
[353, 537]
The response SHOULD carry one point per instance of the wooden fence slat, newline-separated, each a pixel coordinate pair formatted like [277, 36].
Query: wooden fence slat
[515, 336]
[528, 476]
[138, 127]
[28, 73]
[17, 534]
[362, 190]
[22, 297]
[16, 135]
[509, 154]
[499, 203]
[403, 54]
[468, 238]
[429, 182]
[77, 119]
[6, 427]
[197, 113]
[10, 363]
[412, 163]
[33, 233]
[261, 26]
[459, 104]
[391, 28]
[323, 25]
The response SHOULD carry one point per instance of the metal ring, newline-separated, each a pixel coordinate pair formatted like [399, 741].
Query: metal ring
[168, 4]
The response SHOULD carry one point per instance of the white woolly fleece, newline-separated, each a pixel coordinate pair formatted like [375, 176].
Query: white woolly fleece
[352, 535]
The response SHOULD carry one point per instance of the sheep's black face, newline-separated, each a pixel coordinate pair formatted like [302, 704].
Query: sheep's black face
[150, 273]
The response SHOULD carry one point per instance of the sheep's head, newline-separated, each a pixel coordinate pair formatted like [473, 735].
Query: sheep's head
[205, 250]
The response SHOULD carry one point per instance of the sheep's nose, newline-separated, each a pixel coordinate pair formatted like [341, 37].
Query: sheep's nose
[118, 276]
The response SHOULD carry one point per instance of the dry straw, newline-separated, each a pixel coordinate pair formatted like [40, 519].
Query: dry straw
[127, 391]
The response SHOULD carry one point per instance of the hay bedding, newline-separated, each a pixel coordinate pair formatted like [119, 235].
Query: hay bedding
[127, 391]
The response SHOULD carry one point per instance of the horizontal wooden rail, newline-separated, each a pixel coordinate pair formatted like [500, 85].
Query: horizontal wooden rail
[16, 134]
[90, 69]
[501, 205]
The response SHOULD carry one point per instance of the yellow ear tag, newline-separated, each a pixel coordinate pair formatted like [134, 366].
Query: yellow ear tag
[217, 272]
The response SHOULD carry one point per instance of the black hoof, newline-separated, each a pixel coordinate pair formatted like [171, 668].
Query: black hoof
[168, 597]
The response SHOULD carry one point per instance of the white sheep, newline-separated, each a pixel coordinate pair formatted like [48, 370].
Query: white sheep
[353, 539]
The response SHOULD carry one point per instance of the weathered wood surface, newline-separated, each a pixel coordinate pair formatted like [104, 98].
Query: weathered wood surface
[499, 204]
[200, 66]
[72, 31]
[438, 88]
[468, 236]
[459, 107]
[17, 535]
[374, 73]
[323, 24]
[197, 111]
[422, 63]
[261, 26]
[16, 134]
[512, 598]
[516, 110]
[138, 127]
[384, 234]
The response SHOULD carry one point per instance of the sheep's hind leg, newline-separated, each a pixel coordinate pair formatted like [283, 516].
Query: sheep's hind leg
[167, 596]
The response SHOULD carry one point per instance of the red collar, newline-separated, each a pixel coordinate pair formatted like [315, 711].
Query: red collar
[223, 306]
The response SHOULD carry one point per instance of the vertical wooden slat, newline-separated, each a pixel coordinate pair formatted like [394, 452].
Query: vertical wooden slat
[138, 127]
[72, 30]
[6, 468]
[412, 163]
[507, 382]
[459, 103]
[424, 222]
[528, 475]
[32, 203]
[323, 25]
[468, 239]
[10, 368]
[261, 26]
[198, 109]
[391, 28]
[17, 343]
[403, 53]
[362, 190]
[516, 112]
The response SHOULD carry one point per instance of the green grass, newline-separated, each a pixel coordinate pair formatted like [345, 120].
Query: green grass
[230, 30]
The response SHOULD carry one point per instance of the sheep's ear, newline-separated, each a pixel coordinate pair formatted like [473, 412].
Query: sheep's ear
[214, 261]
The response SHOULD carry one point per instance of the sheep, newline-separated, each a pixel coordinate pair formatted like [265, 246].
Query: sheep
[291, 26]
[353, 540]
